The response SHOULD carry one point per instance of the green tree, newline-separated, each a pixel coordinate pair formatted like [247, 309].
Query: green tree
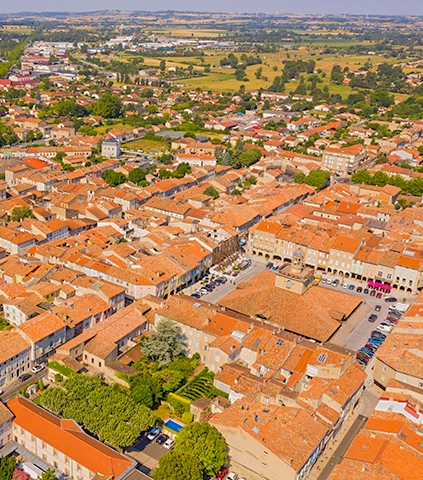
[362, 176]
[165, 344]
[137, 175]
[206, 443]
[211, 192]
[113, 178]
[162, 65]
[120, 434]
[7, 467]
[54, 399]
[169, 379]
[178, 466]
[108, 106]
[152, 108]
[48, 475]
[336, 75]
[142, 394]
[381, 98]
[19, 213]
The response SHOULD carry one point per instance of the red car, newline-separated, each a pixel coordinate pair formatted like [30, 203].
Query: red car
[222, 473]
[379, 295]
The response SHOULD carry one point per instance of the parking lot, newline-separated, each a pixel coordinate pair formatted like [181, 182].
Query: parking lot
[224, 289]
[146, 453]
[356, 330]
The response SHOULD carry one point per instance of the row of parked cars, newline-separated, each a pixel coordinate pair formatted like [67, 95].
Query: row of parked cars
[161, 438]
[377, 337]
[211, 284]
[346, 286]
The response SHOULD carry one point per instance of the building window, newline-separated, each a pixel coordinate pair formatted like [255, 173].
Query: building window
[32, 438]
[78, 467]
[54, 452]
[44, 457]
[67, 460]
[43, 446]
[55, 464]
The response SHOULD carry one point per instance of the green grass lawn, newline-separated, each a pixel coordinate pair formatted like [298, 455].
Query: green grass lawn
[146, 145]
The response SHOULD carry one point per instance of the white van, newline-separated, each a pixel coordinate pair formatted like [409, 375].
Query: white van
[400, 307]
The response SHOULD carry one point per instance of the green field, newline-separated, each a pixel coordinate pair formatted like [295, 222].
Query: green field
[145, 145]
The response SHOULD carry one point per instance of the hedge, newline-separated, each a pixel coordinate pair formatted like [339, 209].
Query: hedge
[179, 404]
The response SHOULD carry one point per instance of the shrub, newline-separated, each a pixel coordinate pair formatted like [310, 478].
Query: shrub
[187, 418]
[179, 404]
[58, 378]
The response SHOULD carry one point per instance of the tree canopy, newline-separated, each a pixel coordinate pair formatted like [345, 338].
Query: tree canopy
[165, 344]
[111, 415]
[19, 213]
[178, 466]
[7, 467]
[211, 192]
[108, 106]
[113, 178]
[206, 443]
[316, 178]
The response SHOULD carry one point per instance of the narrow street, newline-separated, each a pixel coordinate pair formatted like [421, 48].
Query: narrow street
[339, 453]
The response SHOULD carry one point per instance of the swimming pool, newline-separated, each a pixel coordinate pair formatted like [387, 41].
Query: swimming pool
[172, 425]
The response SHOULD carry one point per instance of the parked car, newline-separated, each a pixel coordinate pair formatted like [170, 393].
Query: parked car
[24, 377]
[379, 295]
[329, 281]
[269, 265]
[1, 392]
[377, 308]
[345, 286]
[376, 334]
[372, 346]
[384, 328]
[373, 293]
[351, 287]
[394, 321]
[372, 318]
[232, 476]
[196, 295]
[161, 439]
[169, 444]
[335, 283]
[375, 341]
[367, 351]
[359, 289]
[391, 300]
[221, 474]
[152, 434]
[366, 291]
[37, 368]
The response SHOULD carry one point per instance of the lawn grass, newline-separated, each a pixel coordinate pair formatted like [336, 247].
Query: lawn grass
[58, 367]
[146, 145]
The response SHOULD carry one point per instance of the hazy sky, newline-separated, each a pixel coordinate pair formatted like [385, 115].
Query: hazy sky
[388, 7]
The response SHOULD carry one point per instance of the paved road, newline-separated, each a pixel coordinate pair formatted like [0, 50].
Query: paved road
[11, 389]
[339, 453]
